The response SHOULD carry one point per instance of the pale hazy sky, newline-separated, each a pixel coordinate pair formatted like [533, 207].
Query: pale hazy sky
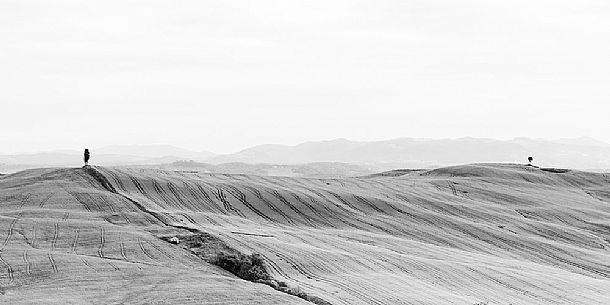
[224, 75]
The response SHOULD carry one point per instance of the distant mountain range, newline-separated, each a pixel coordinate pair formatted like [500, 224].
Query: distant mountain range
[578, 153]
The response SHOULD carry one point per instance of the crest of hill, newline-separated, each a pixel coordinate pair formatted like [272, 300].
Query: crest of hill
[395, 173]
[522, 173]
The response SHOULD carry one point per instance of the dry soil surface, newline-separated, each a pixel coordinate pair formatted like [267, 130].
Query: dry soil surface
[501, 234]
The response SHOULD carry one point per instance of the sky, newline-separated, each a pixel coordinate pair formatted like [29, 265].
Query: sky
[225, 75]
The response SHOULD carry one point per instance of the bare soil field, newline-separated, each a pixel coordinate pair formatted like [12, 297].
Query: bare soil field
[472, 234]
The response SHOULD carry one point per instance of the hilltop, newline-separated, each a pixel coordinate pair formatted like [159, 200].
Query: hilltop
[496, 233]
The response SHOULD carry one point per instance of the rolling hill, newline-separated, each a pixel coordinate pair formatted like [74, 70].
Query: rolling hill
[471, 234]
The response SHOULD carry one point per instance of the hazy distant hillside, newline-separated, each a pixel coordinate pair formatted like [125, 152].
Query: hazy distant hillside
[579, 153]
[155, 151]
[423, 153]
[319, 170]
[587, 141]
[109, 155]
[567, 155]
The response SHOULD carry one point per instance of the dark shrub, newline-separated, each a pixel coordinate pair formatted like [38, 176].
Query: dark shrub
[248, 267]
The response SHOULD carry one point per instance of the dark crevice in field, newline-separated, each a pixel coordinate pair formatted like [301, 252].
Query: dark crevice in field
[99, 177]
[249, 267]
[158, 216]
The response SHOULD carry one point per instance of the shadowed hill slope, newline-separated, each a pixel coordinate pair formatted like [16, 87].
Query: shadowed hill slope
[459, 235]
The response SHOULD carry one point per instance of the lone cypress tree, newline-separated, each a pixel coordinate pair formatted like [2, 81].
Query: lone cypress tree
[86, 156]
[529, 160]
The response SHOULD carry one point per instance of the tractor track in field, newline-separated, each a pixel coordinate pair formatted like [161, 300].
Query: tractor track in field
[242, 198]
[189, 218]
[312, 208]
[86, 263]
[107, 204]
[189, 195]
[337, 215]
[347, 203]
[178, 197]
[55, 236]
[100, 250]
[122, 245]
[28, 268]
[35, 237]
[452, 188]
[222, 197]
[75, 241]
[162, 194]
[52, 261]
[127, 221]
[113, 265]
[9, 234]
[9, 269]
[326, 199]
[205, 190]
[260, 197]
[117, 180]
[366, 202]
[211, 220]
[83, 198]
[24, 200]
[283, 200]
[141, 244]
[208, 200]
[44, 201]
[137, 184]
[199, 199]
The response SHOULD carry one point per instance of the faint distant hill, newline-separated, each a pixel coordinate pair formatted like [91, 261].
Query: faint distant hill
[585, 141]
[109, 155]
[317, 170]
[578, 153]
[155, 151]
[581, 153]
